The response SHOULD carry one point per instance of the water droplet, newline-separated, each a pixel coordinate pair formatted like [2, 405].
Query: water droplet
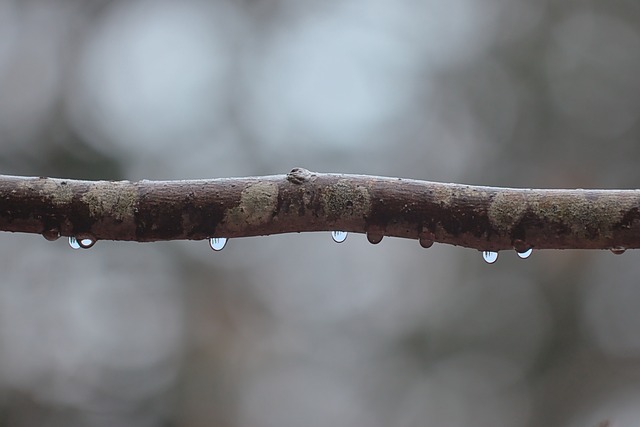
[520, 245]
[339, 236]
[525, 254]
[426, 243]
[73, 243]
[51, 234]
[426, 237]
[373, 238]
[217, 243]
[618, 250]
[489, 256]
[86, 242]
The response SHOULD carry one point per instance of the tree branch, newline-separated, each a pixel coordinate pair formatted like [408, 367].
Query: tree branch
[485, 218]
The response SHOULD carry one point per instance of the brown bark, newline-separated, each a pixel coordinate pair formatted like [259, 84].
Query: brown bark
[485, 218]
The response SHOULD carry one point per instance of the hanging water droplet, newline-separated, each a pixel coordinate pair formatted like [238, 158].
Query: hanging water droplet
[51, 234]
[520, 245]
[525, 254]
[426, 237]
[217, 243]
[86, 242]
[489, 256]
[618, 250]
[426, 243]
[373, 238]
[339, 236]
[73, 243]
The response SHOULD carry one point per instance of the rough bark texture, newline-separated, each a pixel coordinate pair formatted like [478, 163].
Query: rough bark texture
[485, 218]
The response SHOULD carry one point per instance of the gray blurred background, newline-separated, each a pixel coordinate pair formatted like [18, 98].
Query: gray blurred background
[296, 330]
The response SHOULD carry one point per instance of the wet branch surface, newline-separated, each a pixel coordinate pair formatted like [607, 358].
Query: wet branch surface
[484, 218]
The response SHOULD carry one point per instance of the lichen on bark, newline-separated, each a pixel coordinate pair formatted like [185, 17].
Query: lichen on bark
[480, 217]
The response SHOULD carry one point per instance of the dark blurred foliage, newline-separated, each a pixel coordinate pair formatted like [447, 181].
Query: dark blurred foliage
[296, 330]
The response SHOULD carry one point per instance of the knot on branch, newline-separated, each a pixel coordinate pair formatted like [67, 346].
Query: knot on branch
[298, 176]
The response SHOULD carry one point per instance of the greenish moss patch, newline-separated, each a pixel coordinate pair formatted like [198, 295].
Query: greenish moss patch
[115, 199]
[257, 204]
[343, 200]
[56, 192]
[506, 210]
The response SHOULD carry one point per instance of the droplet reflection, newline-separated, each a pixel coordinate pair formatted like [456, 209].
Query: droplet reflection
[86, 242]
[526, 254]
[618, 250]
[73, 243]
[218, 243]
[339, 236]
[489, 256]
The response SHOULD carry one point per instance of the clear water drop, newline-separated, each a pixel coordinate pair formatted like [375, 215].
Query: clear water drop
[51, 234]
[520, 245]
[526, 254]
[489, 256]
[339, 236]
[426, 243]
[217, 243]
[73, 243]
[86, 242]
[374, 238]
[618, 250]
[426, 237]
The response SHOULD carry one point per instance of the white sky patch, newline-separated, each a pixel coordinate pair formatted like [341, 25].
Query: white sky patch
[155, 77]
[329, 78]
[333, 77]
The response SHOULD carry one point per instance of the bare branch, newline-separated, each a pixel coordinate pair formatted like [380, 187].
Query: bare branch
[485, 218]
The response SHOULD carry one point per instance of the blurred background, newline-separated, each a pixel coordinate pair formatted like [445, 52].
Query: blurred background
[296, 330]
